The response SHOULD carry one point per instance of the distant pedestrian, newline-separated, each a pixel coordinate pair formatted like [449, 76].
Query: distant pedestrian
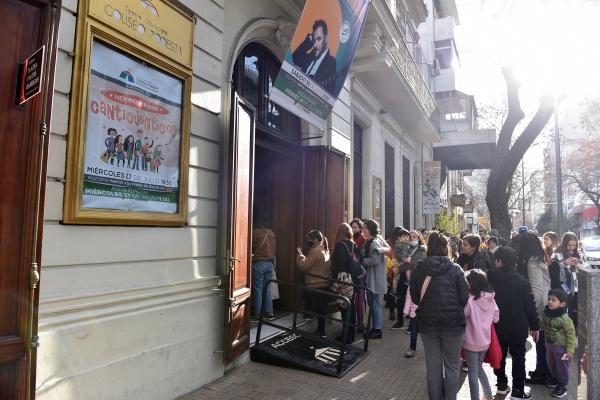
[519, 318]
[550, 243]
[471, 256]
[439, 288]
[359, 299]
[481, 311]
[515, 242]
[560, 341]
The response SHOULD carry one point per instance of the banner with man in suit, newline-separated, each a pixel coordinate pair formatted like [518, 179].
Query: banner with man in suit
[319, 58]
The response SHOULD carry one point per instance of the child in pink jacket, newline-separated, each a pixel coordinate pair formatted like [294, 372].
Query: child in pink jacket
[410, 309]
[480, 312]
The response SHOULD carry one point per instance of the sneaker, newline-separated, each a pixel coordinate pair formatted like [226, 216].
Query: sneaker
[407, 331]
[409, 353]
[320, 334]
[349, 339]
[375, 334]
[392, 316]
[560, 391]
[552, 382]
[518, 394]
[270, 316]
[502, 388]
[255, 318]
[397, 326]
[464, 367]
[538, 376]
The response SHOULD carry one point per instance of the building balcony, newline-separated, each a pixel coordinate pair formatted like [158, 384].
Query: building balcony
[384, 64]
[464, 150]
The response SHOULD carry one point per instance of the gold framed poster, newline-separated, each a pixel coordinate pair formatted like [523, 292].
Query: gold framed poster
[128, 144]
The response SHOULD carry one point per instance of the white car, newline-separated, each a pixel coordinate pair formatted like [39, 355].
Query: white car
[591, 252]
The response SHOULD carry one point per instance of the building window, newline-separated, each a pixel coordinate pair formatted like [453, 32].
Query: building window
[444, 53]
[406, 205]
[357, 171]
[390, 203]
[254, 74]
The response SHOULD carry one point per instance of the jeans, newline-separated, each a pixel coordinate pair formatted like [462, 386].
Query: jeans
[477, 374]
[412, 327]
[360, 301]
[540, 353]
[442, 356]
[517, 352]
[377, 314]
[261, 272]
[319, 304]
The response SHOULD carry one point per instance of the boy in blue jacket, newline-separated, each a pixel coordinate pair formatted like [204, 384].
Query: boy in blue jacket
[515, 300]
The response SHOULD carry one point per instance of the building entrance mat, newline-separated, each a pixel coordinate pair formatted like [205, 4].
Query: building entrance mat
[308, 353]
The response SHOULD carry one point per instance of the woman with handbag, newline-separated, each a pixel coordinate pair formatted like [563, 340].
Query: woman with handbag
[341, 258]
[438, 286]
[316, 262]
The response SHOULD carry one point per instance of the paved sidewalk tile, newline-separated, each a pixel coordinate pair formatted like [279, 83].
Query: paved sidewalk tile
[384, 374]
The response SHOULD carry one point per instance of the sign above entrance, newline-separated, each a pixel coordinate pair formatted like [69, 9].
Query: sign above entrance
[319, 58]
[31, 74]
[431, 187]
[154, 23]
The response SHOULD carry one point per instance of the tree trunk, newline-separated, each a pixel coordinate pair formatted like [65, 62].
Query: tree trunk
[507, 157]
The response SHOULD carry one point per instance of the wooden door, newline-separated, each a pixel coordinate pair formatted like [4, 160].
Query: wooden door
[241, 170]
[26, 27]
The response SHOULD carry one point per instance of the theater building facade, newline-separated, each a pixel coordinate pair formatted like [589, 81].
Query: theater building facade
[132, 176]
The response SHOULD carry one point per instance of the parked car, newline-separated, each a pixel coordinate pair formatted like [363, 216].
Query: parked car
[591, 252]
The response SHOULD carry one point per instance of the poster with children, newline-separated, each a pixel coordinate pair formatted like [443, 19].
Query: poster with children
[133, 135]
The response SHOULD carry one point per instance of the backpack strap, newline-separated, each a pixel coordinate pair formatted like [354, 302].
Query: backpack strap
[425, 285]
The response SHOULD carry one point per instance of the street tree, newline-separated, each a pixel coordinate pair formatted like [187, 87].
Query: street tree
[581, 165]
[510, 150]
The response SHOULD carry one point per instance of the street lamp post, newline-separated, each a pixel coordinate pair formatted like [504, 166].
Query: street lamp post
[558, 169]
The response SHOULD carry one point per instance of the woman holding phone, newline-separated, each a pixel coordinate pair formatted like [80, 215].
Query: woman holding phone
[563, 270]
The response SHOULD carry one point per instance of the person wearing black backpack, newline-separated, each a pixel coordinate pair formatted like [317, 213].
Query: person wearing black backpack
[342, 261]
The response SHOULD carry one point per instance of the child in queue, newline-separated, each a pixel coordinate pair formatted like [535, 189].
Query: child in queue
[480, 312]
[560, 341]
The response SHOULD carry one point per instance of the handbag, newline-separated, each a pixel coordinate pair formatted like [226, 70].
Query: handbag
[353, 266]
[274, 285]
[343, 289]
[493, 356]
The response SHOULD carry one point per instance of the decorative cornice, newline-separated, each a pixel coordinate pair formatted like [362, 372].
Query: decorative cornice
[359, 91]
[285, 32]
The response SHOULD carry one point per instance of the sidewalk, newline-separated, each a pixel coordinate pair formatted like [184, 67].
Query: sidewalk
[383, 374]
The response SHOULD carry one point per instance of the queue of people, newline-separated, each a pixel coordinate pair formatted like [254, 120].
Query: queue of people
[470, 293]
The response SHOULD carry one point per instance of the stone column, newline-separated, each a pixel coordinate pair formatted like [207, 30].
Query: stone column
[587, 355]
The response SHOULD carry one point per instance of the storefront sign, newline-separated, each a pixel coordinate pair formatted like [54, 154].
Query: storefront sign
[133, 136]
[319, 58]
[431, 187]
[31, 76]
[155, 23]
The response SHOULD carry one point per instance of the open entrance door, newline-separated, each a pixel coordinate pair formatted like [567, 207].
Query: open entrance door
[239, 257]
[27, 26]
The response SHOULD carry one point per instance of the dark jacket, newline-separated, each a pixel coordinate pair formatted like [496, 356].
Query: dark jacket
[340, 257]
[441, 311]
[475, 260]
[514, 298]
[324, 76]
[515, 242]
